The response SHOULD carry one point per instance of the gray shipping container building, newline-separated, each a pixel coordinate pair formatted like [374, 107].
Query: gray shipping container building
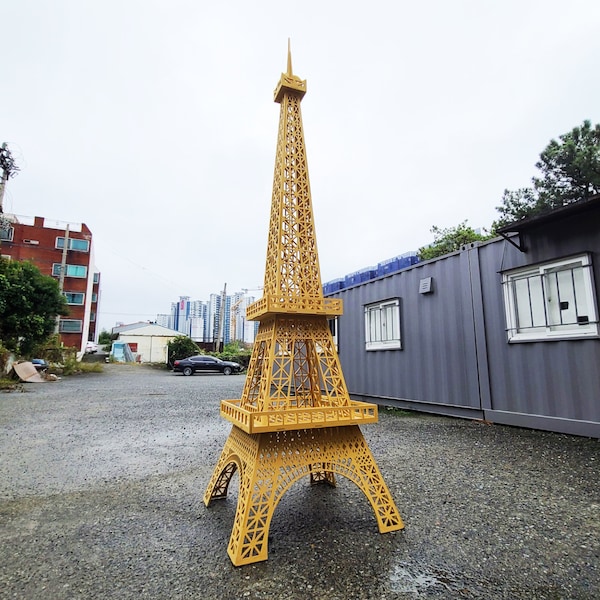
[504, 330]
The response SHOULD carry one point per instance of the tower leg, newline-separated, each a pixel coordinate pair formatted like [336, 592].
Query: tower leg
[269, 463]
[224, 471]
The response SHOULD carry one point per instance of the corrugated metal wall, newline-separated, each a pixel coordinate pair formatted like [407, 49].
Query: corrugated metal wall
[437, 363]
[536, 383]
[455, 357]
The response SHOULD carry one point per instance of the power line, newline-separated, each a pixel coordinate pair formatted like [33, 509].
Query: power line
[138, 314]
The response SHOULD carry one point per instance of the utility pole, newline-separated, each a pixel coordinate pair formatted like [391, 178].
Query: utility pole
[9, 169]
[61, 277]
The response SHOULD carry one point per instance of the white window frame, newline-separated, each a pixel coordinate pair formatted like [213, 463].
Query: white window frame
[77, 329]
[534, 295]
[73, 294]
[57, 266]
[60, 244]
[9, 235]
[383, 325]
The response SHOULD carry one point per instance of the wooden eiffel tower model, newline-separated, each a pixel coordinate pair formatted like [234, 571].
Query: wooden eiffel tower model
[295, 417]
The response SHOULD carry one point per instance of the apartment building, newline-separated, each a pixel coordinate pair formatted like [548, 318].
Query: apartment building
[49, 245]
[199, 319]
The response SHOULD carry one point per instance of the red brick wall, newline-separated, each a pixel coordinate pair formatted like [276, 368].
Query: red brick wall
[37, 244]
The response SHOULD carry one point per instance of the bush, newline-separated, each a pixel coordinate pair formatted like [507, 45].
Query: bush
[105, 340]
[53, 352]
[10, 385]
[181, 347]
[62, 359]
[242, 357]
[72, 366]
[4, 354]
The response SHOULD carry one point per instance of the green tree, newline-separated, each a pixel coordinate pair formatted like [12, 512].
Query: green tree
[569, 172]
[181, 347]
[29, 305]
[105, 339]
[449, 240]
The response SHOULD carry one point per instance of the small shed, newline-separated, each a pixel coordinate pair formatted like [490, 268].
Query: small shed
[147, 341]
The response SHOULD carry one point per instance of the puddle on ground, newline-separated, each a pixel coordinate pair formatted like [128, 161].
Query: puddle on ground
[407, 579]
[420, 581]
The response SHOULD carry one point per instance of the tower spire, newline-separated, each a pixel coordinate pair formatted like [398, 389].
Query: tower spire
[288, 82]
[289, 63]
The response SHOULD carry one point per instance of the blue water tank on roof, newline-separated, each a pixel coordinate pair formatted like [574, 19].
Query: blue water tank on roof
[333, 286]
[368, 273]
[388, 266]
[352, 278]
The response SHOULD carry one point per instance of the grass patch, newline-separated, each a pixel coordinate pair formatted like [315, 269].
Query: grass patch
[74, 367]
[399, 412]
[11, 385]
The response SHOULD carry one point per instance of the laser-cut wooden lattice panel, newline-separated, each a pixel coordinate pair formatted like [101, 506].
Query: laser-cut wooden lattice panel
[269, 463]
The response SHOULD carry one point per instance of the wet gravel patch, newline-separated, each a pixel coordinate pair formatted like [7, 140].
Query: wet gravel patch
[102, 478]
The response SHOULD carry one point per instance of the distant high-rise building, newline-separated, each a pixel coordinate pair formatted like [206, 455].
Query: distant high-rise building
[165, 320]
[200, 320]
[197, 320]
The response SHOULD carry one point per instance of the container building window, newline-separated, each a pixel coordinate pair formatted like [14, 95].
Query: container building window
[382, 325]
[551, 301]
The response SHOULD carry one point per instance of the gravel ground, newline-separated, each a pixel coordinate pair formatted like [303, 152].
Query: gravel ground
[102, 478]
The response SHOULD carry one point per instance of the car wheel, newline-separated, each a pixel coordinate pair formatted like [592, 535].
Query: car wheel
[227, 371]
[188, 371]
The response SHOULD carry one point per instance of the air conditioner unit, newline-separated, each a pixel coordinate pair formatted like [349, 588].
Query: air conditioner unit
[32, 242]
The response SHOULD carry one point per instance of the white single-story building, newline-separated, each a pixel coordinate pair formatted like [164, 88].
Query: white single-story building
[147, 341]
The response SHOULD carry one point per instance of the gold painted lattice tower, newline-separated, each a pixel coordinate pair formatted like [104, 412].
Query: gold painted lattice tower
[295, 416]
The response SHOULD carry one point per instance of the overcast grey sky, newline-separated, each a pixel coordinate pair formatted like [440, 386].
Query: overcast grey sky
[153, 122]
